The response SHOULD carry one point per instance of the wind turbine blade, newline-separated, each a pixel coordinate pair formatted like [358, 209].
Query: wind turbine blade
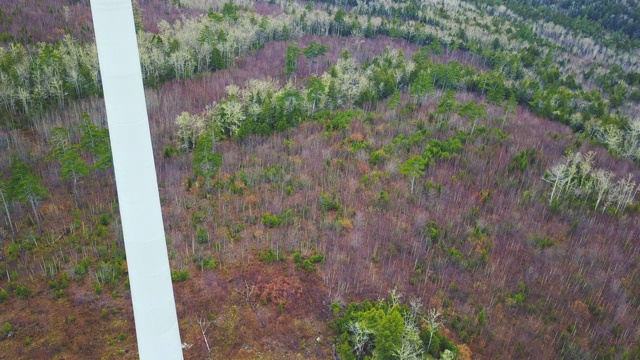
[154, 308]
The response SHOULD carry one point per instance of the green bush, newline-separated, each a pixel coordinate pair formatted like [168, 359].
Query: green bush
[317, 258]
[197, 217]
[431, 231]
[14, 251]
[381, 200]
[202, 236]
[522, 160]
[322, 115]
[102, 231]
[4, 296]
[335, 307]
[307, 266]
[455, 254]
[543, 242]
[377, 157]
[208, 263]
[82, 268]
[341, 120]
[482, 318]
[169, 151]
[22, 292]
[60, 282]
[465, 327]
[104, 219]
[269, 256]
[521, 295]
[297, 258]
[179, 275]
[7, 328]
[270, 220]
[108, 272]
[329, 203]
[437, 149]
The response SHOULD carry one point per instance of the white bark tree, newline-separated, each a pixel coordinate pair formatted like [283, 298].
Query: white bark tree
[190, 127]
[558, 176]
[361, 336]
[603, 180]
[434, 321]
[3, 197]
[204, 325]
[622, 194]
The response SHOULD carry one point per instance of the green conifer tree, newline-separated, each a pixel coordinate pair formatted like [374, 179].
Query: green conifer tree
[25, 186]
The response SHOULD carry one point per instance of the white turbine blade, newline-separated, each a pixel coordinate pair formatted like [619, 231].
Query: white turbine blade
[149, 274]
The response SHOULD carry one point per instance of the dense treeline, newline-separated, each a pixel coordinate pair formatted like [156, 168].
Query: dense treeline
[192, 46]
[552, 97]
[54, 73]
[546, 87]
[619, 19]
[263, 107]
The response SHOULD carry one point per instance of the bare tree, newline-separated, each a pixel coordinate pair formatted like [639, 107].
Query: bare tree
[204, 325]
[558, 176]
[361, 336]
[623, 193]
[602, 183]
[3, 196]
[246, 294]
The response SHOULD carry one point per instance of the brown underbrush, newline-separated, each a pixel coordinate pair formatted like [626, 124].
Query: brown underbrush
[476, 236]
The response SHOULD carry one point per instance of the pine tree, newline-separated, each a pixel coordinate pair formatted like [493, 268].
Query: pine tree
[205, 160]
[447, 104]
[291, 59]
[290, 102]
[389, 334]
[421, 87]
[394, 101]
[495, 94]
[68, 155]
[313, 51]
[315, 92]
[95, 140]
[332, 95]
[25, 186]
[217, 59]
[73, 168]
[413, 167]
[472, 112]
[510, 107]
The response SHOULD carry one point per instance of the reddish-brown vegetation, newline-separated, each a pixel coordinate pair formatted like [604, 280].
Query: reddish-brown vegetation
[581, 291]
[27, 21]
